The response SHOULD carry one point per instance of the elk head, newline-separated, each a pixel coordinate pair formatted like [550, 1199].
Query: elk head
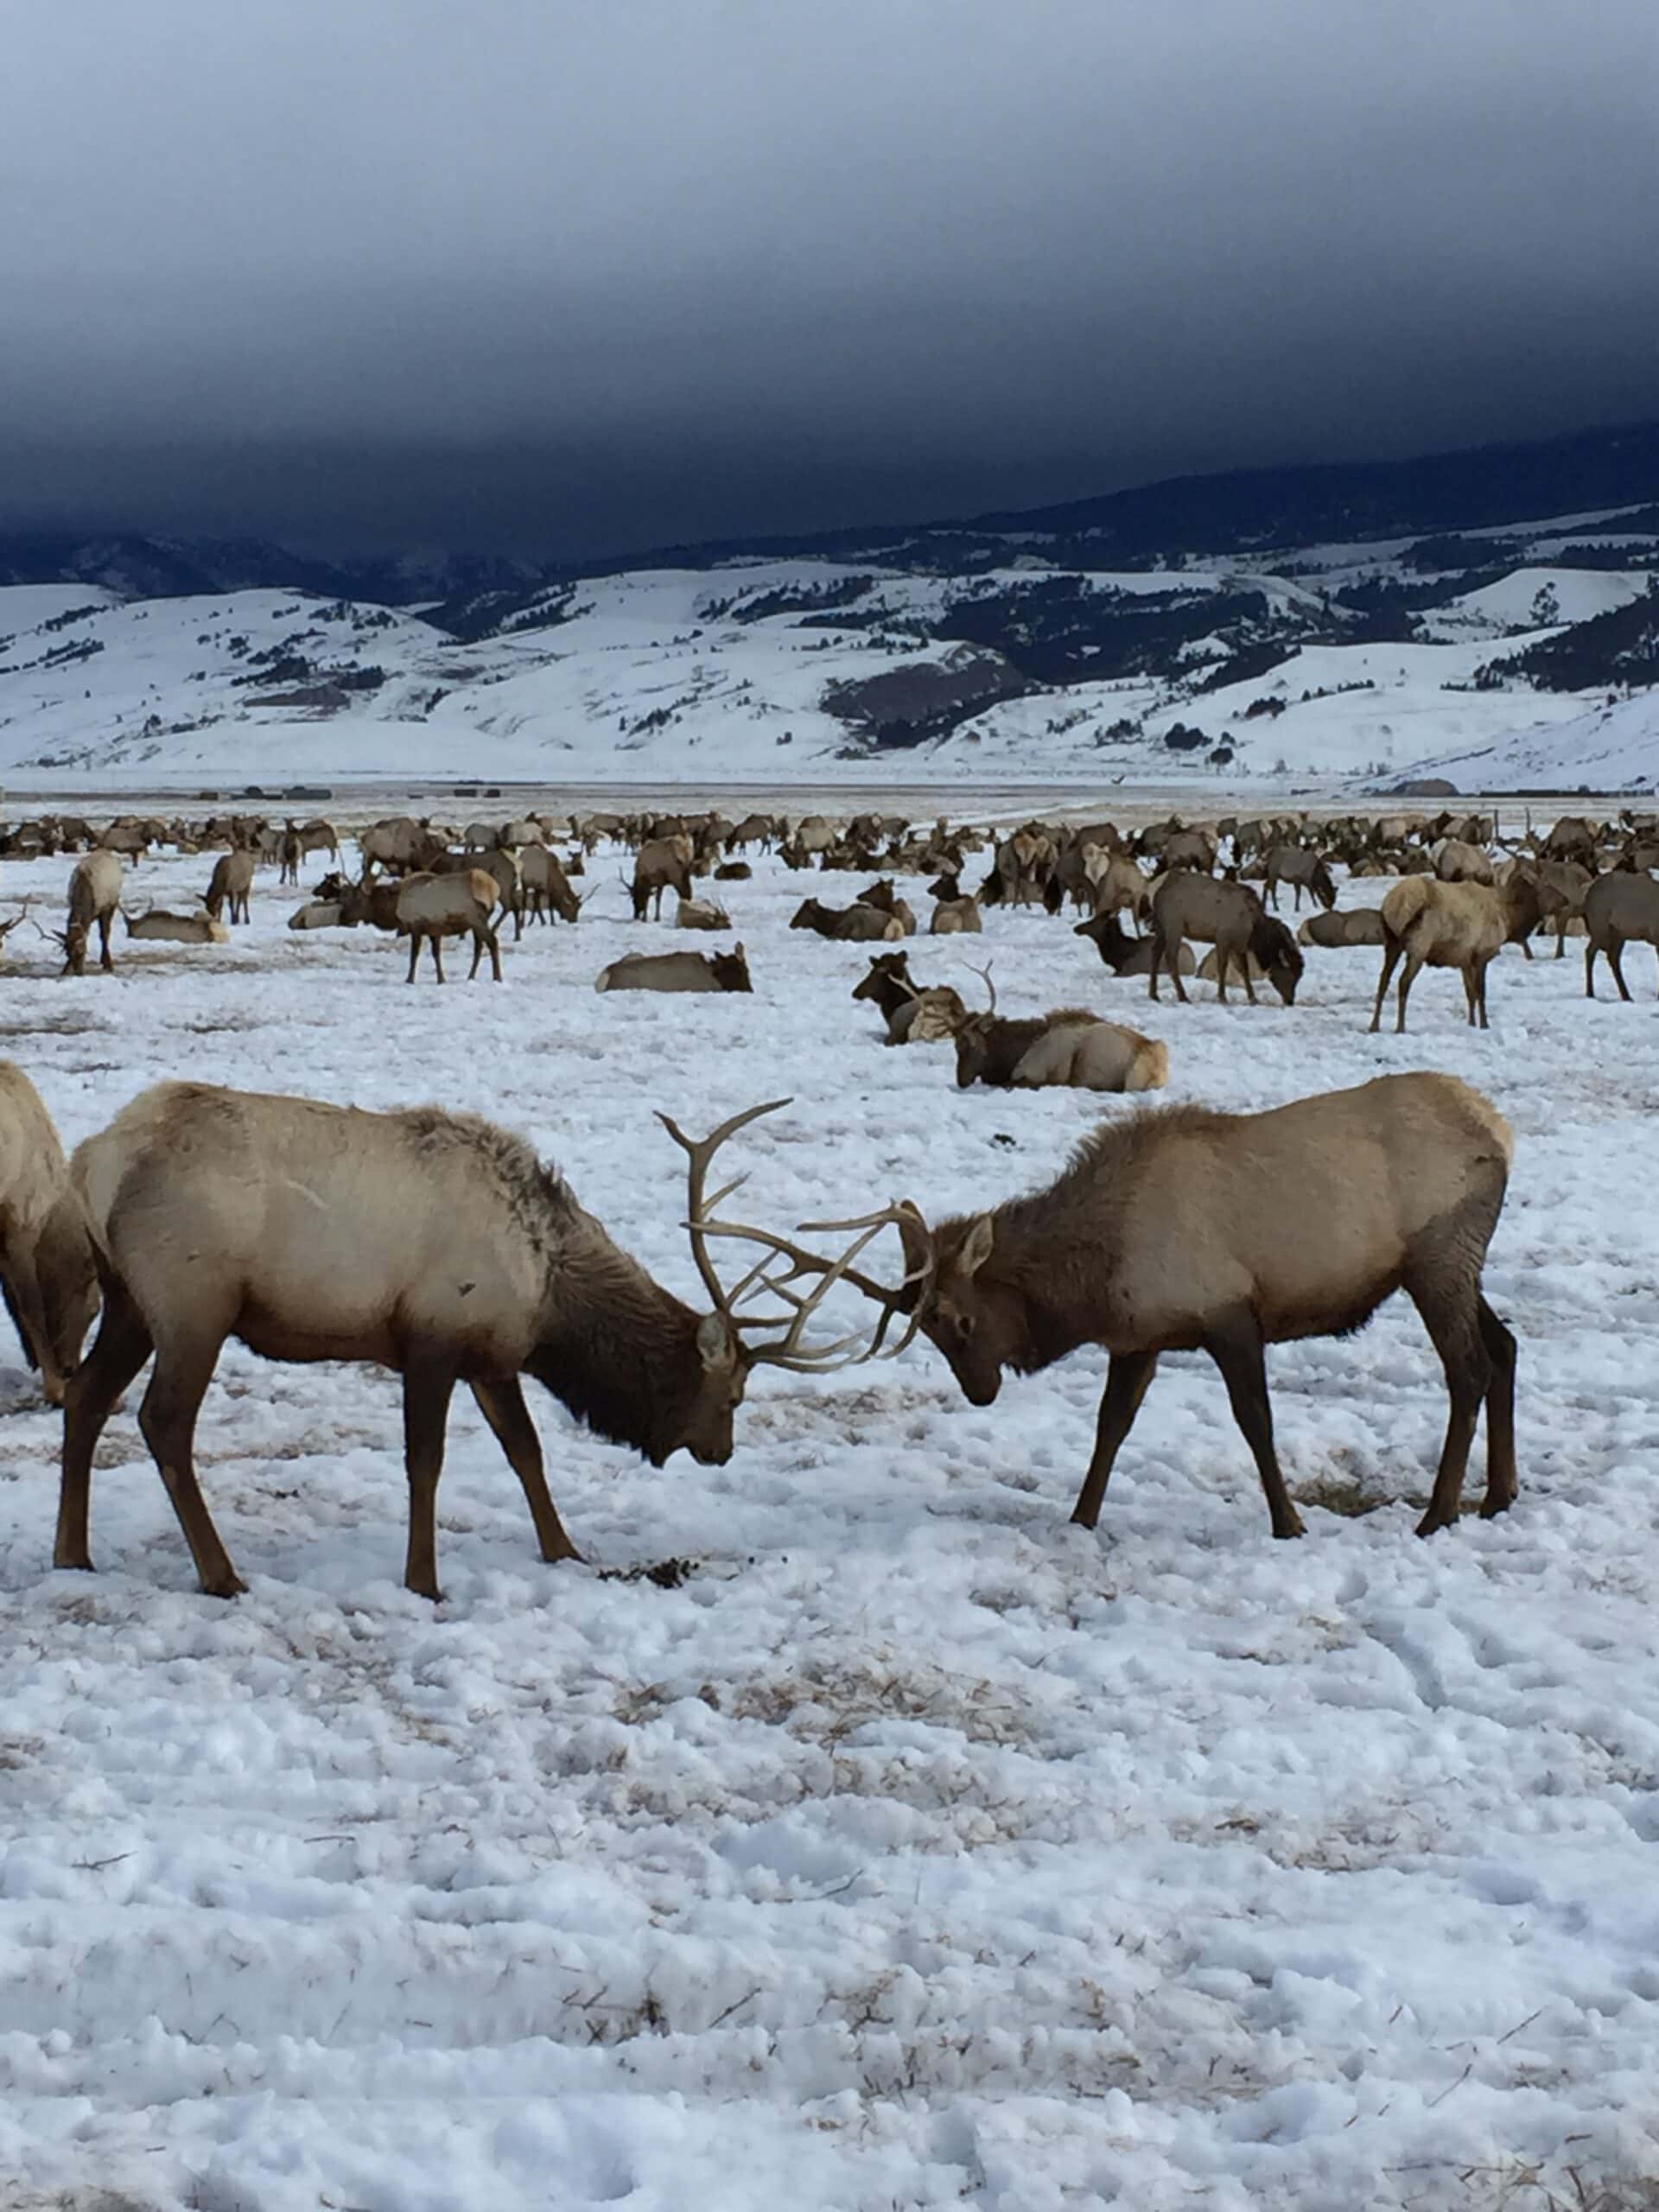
[1278, 954]
[977, 1324]
[885, 968]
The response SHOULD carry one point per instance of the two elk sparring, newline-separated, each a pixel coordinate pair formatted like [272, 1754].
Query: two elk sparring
[432, 1243]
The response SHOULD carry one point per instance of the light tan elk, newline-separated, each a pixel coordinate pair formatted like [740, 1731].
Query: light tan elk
[1430, 923]
[915, 1013]
[676, 971]
[957, 918]
[1358, 926]
[1456, 862]
[94, 895]
[1231, 917]
[432, 907]
[435, 1244]
[701, 914]
[1092, 1056]
[46, 1274]
[158, 926]
[233, 881]
[1168, 1232]
[1618, 908]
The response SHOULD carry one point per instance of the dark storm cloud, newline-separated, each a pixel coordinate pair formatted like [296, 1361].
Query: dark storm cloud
[561, 276]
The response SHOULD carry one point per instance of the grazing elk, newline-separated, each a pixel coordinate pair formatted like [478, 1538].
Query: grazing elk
[231, 882]
[676, 971]
[1231, 917]
[46, 1275]
[432, 1243]
[1618, 908]
[856, 924]
[95, 896]
[1303, 869]
[432, 907]
[1430, 924]
[661, 864]
[1166, 1232]
[915, 1013]
[543, 888]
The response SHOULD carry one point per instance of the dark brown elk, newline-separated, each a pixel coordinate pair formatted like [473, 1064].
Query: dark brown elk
[662, 864]
[1358, 926]
[1231, 917]
[676, 971]
[732, 872]
[885, 900]
[432, 907]
[1432, 924]
[94, 895]
[855, 925]
[373, 903]
[753, 829]
[289, 853]
[431, 1243]
[46, 1275]
[1619, 909]
[233, 881]
[1124, 954]
[915, 1013]
[1168, 1233]
[1304, 870]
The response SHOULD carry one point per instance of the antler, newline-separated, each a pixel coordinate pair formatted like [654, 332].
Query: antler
[986, 972]
[700, 1224]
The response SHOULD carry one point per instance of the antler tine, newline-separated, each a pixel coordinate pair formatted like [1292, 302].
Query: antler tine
[699, 1152]
[986, 972]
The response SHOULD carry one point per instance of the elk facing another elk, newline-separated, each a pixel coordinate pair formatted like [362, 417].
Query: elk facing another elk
[1168, 1233]
[46, 1274]
[432, 1243]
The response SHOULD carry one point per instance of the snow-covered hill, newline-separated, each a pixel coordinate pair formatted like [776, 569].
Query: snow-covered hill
[1331, 664]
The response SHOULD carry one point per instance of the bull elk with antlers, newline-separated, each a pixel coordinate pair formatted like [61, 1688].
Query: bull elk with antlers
[433, 1243]
[1187, 1230]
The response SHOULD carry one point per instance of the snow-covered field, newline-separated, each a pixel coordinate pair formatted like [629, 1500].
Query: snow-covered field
[918, 1848]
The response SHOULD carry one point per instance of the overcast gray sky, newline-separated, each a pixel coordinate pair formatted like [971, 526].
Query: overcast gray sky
[564, 276]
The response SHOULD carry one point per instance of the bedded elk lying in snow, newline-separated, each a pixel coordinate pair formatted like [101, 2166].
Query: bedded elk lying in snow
[1358, 926]
[676, 971]
[46, 1274]
[885, 900]
[1231, 917]
[855, 925]
[1430, 923]
[233, 881]
[94, 895]
[1303, 870]
[1617, 909]
[317, 914]
[915, 1013]
[432, 1243]
[1166, 1232]
[1124, 954]
[956, 917]
[1068, 1045]
[701, 914]
[157, 925]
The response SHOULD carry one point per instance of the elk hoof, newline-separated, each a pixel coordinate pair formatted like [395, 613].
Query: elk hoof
[225, 1585]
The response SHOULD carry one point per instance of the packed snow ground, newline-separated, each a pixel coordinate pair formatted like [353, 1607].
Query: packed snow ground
[918, 1848]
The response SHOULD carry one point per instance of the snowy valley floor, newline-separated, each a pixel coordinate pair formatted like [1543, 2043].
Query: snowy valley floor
[918, 1848]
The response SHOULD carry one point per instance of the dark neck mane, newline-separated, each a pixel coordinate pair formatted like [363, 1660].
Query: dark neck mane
[616, 1348]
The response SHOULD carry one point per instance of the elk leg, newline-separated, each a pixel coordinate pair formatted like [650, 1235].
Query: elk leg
[27, 1311]
[414, 956]
[105, 923]
[119, 1349]
[1480, 991]
[1501, 1486]
[428, 1387]
[436, 943]
[1408, 978]
[492, 939]
[502, 1405]
[1452, 1318]
[1128, 1377]
[1615, 950]
[1390, 962]
[1244, 970]
[1236, 1350]
[167, 1419]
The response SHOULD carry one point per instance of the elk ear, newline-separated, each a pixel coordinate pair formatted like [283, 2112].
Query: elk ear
[715, 1345]
[977, 1246]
